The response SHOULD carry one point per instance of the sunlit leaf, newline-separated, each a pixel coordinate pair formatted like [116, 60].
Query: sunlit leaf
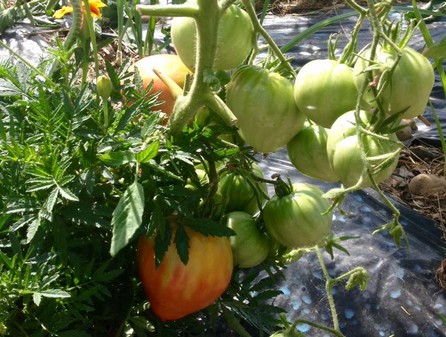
[127, 217]
[148, 153]
[116, 159]
[67, 194]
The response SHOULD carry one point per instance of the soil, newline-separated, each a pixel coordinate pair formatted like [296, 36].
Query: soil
[419, 183]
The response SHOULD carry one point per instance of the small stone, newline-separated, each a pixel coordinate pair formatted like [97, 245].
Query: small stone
[427, 185]
[406, 132]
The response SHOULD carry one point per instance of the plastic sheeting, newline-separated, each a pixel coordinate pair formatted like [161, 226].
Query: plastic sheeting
[402, 297]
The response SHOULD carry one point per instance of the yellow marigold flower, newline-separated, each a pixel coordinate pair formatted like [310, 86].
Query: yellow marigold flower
[95, 6]
[59, 14]
[95, 11]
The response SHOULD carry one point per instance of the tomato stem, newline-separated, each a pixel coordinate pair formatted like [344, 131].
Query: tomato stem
[207, 15]
[262, 31]
[329, 284]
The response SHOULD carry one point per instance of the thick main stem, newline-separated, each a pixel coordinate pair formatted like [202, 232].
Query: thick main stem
[207, 21]
[207, 15]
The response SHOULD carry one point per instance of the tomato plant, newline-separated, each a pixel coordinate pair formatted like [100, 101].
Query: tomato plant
[297, 216]
[345, 154]
[250, 246]
[235, 39]
[263, 102]
[176, 290]
[169, 64]
[307, 151]
[403, 87]
[324, 90]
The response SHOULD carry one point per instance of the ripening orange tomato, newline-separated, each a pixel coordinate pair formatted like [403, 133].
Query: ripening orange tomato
[176, 290]
[172, 66]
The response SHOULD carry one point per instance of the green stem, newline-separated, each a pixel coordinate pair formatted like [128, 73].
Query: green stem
[73, 33]
[76, 24]
[92, 36]
[329, 283]
[354, 5]
[120, 15]
[348, 53]
[317, 326]
[215, 103]
[259, 28]
[106, 117]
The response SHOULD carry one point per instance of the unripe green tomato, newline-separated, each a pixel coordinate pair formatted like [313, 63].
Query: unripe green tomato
[299, 219]
[202, 179]
[237, 191]
[307, 151]
[235, 39]
[344, 151]
[264, 105]
[406, 90]
[250, 246]
[324, 90]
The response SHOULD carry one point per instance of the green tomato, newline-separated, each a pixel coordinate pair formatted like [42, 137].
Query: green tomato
[344, 153]
[264, 105]
[250, 246]
[299, 219]
[238, 191]
[324, 90]
[235, 39]
[406, 90]
[307, 151]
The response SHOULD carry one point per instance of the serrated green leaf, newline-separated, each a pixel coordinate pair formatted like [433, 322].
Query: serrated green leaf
[116, 159]
[182, 244]
[32, 228]
[7, 88]
[67, 194]
[148, 153]
[51, 200]
[162, 242]
[127, 217]
[39, 184]
[210, 227]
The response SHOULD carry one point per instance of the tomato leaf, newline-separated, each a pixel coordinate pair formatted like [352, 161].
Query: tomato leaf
[182, 244]
[162, 241]
[210, 227]
[127, 217]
